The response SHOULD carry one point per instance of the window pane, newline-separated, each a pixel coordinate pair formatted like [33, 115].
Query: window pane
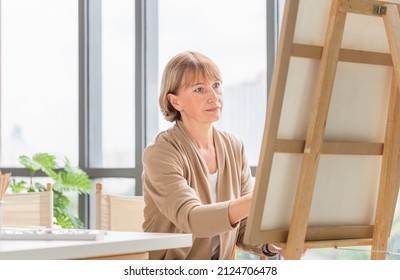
[39, 79]
[118, 92]
[234, 36]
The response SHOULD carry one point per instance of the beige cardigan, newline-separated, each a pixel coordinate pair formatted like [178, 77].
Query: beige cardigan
[177, 195]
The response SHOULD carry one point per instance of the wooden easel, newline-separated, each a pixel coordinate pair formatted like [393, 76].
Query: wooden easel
[296, 239]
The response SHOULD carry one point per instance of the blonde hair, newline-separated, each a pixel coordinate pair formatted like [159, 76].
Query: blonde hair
[180, 71]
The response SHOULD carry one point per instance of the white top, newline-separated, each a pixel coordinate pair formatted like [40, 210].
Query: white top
[212, 183]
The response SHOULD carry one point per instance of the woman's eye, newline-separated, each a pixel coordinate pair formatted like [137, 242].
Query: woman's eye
[199, 89]
[217, 85]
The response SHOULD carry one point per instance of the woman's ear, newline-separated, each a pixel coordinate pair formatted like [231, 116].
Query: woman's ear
[174, 100]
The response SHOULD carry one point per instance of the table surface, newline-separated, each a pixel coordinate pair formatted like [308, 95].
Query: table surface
[113, 243]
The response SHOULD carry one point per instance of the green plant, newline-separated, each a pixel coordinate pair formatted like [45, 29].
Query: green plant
[65, 179]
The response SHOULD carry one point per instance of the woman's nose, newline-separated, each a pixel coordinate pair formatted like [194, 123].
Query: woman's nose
[214, 96]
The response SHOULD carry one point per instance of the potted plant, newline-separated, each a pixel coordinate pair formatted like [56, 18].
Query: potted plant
[65, 178]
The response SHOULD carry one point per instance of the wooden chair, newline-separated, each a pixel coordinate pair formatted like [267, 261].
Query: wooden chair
[32, 209]
[119, 213]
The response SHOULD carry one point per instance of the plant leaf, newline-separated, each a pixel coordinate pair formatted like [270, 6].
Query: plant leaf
[73, 178]
[66, 179]
[64, 220]
[40, 187]
[18, 187]
[61, 201]
[47, 164]
[29, 163]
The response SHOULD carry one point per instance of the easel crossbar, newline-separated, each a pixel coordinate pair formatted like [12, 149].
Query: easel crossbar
[345, 55]
[331, 147]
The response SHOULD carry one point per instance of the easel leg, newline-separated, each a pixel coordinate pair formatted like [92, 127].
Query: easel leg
[275, 103]
[315, 134]
[389, 182]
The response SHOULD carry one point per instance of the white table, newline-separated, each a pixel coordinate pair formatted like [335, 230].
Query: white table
[114, 245]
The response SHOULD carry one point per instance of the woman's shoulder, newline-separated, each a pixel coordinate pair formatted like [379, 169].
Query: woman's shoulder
[165, 141]
[160, 141]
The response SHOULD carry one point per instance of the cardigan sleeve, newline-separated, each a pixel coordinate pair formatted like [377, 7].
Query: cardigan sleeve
[164, 181]
[246, 178]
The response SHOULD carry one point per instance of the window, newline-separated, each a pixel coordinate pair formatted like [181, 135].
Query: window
[117, 87]
[70, 92]
[39, 80]
[112, 140]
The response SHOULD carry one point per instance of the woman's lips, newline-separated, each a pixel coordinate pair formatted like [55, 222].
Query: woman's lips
[217, 107]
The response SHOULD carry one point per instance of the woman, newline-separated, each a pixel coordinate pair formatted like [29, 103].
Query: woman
[196, 178]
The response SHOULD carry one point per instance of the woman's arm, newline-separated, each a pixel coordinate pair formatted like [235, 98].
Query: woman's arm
[239, 209]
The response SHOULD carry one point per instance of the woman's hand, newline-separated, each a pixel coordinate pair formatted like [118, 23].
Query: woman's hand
[281, 251]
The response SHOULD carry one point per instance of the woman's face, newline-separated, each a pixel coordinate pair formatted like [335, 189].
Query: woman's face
[200, 100]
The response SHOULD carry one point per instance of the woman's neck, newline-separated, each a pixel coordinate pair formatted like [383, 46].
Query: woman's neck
[202, 134]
